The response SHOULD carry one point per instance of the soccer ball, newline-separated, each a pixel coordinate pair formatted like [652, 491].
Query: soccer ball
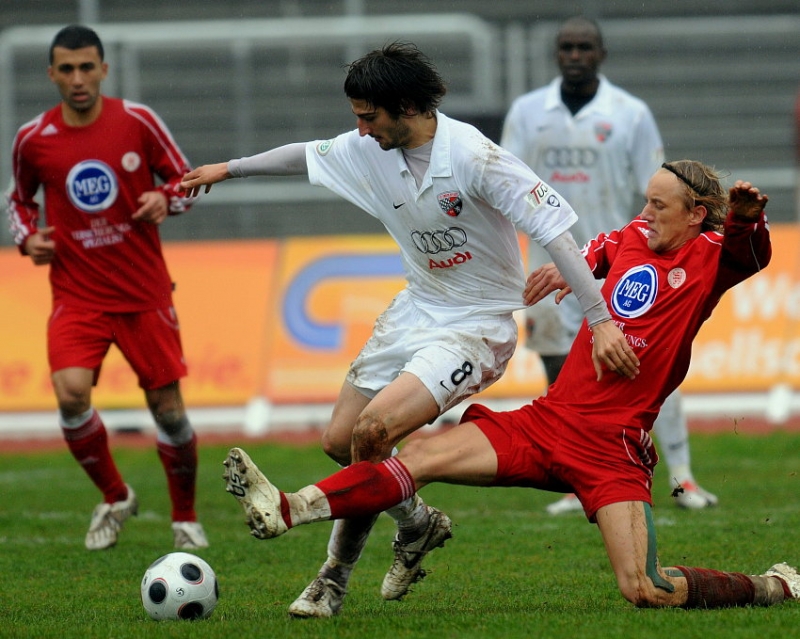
[179, 586]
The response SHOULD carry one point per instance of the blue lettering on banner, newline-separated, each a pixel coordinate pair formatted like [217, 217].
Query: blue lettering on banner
[295, 313]
[635, 292]
[92, 186]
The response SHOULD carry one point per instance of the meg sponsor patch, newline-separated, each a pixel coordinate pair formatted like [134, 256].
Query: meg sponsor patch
[635, 292]
[92, 186]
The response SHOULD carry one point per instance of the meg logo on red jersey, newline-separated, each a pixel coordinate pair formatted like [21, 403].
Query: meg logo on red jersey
[92, 186]
[635, 292]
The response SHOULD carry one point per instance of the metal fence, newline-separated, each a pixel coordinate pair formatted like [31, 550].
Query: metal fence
[720, 93]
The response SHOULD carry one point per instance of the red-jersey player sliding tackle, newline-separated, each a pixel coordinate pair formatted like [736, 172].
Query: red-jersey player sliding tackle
[664, 274]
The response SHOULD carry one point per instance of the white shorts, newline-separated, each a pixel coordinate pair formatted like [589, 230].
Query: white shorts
[453, 361]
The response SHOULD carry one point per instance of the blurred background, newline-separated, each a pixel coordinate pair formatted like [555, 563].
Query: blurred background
[234, 78]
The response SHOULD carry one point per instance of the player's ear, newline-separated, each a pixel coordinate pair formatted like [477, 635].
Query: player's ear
[697, 214]
[408, 108]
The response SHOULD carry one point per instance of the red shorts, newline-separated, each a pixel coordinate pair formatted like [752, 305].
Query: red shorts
[149, 340]
[540, 447]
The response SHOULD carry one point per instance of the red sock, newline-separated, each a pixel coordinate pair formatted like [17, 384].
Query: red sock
[366, 488]
[715, 589]
[89, 446]
[180, 466]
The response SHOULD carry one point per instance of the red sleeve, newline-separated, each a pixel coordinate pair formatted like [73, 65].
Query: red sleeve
[165, 157]
[23, 210]
[746, 249]
[601, 251]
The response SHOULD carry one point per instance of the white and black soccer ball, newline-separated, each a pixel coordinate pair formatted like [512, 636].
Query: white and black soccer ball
[179, 586]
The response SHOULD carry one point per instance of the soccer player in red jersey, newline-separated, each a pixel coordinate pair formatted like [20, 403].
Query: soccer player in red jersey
[664, 274]
[96, 159]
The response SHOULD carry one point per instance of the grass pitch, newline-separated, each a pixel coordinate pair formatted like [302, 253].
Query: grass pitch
[510, 570]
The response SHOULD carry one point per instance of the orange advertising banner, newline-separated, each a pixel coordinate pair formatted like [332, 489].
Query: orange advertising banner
[752, 340]
[330, 291]
[222, 296]
[283, 319]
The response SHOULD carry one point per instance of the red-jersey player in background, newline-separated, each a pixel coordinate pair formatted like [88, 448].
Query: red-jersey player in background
[96, 159]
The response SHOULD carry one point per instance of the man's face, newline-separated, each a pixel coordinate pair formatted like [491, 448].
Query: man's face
[579, 54]
[77, 74]
[388, 132]
[669, 223]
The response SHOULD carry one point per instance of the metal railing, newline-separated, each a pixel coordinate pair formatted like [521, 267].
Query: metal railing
[125, 41]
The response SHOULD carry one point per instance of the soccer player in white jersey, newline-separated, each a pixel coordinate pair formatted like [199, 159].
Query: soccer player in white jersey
[454, 202]
[598, 145]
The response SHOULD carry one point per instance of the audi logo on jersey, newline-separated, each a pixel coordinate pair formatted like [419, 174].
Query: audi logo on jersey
[433, 242]
[92, 186]
[562, 157]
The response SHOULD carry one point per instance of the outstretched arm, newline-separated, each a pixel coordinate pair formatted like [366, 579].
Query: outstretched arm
[570, 273]
[284, 160]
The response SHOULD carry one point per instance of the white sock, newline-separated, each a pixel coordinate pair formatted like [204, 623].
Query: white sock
[672, 435]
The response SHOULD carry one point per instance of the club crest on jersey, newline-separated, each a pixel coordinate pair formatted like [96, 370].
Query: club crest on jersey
[92, 186]
[324, 146]
[676, 277]
[602, 131]
[635, 292]
[451, 203]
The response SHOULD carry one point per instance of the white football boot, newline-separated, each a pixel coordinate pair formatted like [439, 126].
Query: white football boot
[189, 535]
[407, 566]
[322, 598]
[569, 503]
[260, 500]
[690, 496]
[107, 521]
[789, 575]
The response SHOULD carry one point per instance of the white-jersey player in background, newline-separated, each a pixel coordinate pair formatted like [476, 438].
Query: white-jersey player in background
[598, 146]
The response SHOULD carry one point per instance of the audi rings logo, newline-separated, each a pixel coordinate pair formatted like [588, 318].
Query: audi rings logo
[562, 157]
[433, 242]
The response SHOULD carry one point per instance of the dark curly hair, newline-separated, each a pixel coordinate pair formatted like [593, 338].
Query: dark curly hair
[398, 77]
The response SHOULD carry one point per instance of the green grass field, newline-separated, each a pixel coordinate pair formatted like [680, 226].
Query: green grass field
[509, 571]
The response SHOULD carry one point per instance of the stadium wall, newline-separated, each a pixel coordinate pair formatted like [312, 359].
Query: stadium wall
[272, 325]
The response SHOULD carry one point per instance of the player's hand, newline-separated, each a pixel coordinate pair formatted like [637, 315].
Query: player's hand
[611, 350]
[746, 201]
[543, 281]
[40, 247]
[205, 175]
[152, 207]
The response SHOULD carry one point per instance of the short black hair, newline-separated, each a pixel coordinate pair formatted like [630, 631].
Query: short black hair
[581, 22]
[76, 36]
[397, 77]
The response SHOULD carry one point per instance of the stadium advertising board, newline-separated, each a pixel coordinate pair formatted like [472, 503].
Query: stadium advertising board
[283, 320]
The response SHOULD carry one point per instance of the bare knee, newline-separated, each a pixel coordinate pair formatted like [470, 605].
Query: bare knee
[371, 440]
[73, 396]
[336, 447]
[642, 593]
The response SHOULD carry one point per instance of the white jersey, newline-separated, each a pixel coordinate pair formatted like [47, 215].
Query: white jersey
[456, 232]
[599, 160]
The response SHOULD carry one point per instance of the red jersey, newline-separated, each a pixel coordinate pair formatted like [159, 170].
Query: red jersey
[659, 301]
[91, 178]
